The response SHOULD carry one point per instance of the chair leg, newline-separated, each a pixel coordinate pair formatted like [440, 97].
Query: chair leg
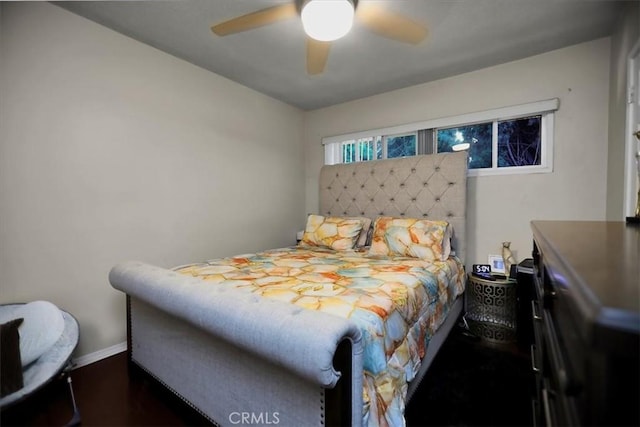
[75, 419]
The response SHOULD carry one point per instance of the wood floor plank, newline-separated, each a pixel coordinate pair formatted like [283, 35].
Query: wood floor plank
[468, 384]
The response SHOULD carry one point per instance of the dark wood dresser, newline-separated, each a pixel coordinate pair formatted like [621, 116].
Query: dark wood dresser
[586, 316]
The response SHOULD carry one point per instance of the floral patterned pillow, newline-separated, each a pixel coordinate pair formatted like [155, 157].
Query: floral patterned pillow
[335, 233]
[417, 238]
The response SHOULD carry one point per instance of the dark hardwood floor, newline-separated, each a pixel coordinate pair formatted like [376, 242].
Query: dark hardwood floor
[471, 383]
[468, 384]
[106, 395]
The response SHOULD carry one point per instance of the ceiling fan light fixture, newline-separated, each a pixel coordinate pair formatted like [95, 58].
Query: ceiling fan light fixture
[461, 147]
[327, 20]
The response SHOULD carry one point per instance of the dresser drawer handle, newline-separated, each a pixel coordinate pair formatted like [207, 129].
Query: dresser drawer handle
[534, 368]
[534, 311]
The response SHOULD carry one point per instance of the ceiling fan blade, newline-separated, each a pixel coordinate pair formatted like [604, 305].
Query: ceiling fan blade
[390, 24]
[256, 19]
[317, 55]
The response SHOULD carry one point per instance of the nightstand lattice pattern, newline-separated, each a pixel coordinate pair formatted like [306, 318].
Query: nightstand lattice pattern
[491, 309]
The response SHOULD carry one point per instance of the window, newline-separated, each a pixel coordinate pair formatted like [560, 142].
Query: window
[361, 150]
[401, 146]
[376, 148]
[519, 142]
[478, 139]
[515, 139]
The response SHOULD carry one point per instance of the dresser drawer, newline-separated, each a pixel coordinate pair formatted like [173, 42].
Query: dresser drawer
[566, 351]
[538, 338]
[586, 279]
[557, 409]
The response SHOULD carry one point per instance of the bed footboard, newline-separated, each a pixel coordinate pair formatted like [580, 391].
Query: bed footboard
[232, 375]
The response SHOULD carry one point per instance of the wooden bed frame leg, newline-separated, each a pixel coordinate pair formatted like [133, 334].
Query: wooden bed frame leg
[338, 399]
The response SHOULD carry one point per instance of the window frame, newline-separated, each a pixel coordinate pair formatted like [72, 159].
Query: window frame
[546, 109]
[385, 142]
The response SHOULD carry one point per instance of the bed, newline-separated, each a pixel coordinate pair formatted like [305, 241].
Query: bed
[330, 332]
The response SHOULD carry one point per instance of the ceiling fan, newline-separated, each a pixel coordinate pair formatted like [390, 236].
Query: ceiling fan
[325, 21]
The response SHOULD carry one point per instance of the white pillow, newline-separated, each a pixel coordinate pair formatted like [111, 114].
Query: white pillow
[42, 328]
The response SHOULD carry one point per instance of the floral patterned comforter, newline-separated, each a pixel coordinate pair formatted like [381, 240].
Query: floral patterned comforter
[397, 302]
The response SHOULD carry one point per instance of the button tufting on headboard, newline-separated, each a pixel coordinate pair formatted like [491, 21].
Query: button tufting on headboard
[404, 187]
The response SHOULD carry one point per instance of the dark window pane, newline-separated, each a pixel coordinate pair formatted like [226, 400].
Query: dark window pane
[401, 146]
[479, 138]
[519, 142]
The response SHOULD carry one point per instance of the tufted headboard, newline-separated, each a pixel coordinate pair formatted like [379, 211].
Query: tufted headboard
[430, 186]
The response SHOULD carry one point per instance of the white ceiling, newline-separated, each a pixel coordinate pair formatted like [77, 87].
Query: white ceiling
[464, 35]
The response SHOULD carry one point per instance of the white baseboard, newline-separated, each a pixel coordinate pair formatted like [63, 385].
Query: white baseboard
[90, 358]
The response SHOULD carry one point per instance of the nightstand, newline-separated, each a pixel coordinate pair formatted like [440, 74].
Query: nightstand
[491, 309]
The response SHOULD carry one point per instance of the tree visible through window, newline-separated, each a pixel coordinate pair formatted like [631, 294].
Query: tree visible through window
[516, 139]
[401, 146]
[479, 137]
[519, 142]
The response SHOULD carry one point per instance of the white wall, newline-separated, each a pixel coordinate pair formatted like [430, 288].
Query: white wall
[111, 150]
[501, 207]
[623, 40]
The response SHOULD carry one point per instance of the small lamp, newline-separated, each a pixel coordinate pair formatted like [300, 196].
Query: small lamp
[327, 20]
